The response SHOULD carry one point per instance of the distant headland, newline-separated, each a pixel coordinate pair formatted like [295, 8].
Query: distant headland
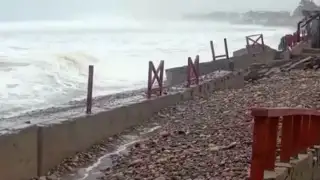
[269, 18]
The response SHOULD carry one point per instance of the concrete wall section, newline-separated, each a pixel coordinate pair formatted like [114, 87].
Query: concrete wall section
[69, 137]
[179, 74]
[297, 49]
[164, 101]
[18, 155]
[36, 150]
[304, 167]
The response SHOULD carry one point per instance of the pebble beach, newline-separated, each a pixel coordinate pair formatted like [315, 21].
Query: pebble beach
[204, 138]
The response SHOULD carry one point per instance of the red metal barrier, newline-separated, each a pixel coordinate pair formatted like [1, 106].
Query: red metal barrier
[155, 74]
[292, 39]
[193, 71]
[299, 130]
[255, 43]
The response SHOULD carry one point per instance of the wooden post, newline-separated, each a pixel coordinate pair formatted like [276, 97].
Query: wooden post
[262, 42]
[212, 51]
[161, 77]
[150, 83]
[89, 91]
[248, 45]
[226, 48]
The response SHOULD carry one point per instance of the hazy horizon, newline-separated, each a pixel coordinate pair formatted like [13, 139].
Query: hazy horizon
[21, 10]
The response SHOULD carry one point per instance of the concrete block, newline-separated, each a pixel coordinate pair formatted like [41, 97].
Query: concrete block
[297, 49]
[164, 101]
[206, 89]
[238, 80]
[62, 140]
[195, 91]
[139, 112]
[186, 95]
[57, 143]
[219, 84]
[201, 89]
[209, 86]
[280, 173]
[302, 167]
[18, 154]
[229, 81]
[213, 85]
[178, 74]
[316, 162]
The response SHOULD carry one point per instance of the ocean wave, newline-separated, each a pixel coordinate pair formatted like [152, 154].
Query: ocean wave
[54, 69]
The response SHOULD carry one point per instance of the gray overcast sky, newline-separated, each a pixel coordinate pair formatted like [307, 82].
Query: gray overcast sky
[65, 9]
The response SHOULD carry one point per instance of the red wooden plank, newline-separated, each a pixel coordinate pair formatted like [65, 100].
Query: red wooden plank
[286, 139]
[259, 149]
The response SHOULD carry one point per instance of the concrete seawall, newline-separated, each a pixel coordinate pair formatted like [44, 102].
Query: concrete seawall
[305, 167]
[35, 150]
[18, 154]
[178, 75]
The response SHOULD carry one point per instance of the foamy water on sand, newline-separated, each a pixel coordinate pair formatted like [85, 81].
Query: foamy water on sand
[44, 64]
[93, 171]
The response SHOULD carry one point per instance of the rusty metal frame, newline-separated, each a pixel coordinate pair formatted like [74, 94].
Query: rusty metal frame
[153, 75]
[254, 39]
[193, 71]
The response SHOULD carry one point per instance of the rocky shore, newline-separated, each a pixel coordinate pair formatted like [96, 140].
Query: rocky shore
[204, 138]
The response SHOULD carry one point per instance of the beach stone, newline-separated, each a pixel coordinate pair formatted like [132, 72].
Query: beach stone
[205, 138]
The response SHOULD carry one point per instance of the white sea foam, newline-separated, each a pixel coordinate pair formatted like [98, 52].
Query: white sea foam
[45, 63]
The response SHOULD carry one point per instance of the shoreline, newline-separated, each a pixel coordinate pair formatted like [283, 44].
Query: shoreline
[9, 121]
[77, 108]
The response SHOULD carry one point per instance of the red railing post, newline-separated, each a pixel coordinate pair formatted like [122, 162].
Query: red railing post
[300, 131]
[313, 130]
[297, 134]
[193, 71]
[259, 148]
[272, 143]
[317, 121]
[155, 74]
[315, 126]
[286, 139]
[305, 132]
